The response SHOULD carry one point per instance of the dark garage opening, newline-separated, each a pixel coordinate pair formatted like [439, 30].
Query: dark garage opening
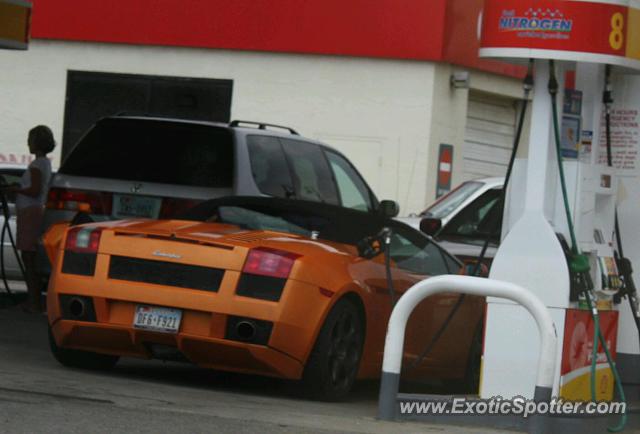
[94, 95]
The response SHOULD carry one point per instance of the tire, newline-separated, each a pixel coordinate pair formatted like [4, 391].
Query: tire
[333, 364]
[81, 359]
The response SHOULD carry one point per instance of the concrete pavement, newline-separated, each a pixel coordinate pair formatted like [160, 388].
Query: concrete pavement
[37, 395]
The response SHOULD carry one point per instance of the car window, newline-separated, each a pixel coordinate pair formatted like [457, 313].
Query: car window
[310, 172]
[8, 178]
[269, 166]
[479, 219]
[255, 220]
[453, 266]
[155, 151]
[328, 222]
[452, 200]
[413, 252]
[353, 191]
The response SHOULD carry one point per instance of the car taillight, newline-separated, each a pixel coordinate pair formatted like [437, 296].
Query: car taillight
[172, 207]
[83, 240]
[92, 202]
[263, 261]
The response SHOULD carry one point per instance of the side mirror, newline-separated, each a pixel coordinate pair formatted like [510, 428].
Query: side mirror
[430, 225]
[389, 208]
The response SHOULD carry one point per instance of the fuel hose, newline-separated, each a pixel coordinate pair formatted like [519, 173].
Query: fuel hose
[527, 86]
[624, 265]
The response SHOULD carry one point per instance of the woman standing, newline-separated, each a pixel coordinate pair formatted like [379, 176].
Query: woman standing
[30, 200]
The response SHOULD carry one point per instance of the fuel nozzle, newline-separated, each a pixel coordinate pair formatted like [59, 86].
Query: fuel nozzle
[528, 79]
[607, 95]
[553, 86]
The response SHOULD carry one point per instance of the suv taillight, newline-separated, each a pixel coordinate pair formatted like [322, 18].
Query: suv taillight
[91, 202]
[83, 240]
[263, 261]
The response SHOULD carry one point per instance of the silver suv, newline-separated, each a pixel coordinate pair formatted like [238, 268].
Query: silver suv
[143, 167]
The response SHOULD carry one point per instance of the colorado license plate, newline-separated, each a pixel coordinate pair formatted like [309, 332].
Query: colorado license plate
[125, 206]
[159, 319]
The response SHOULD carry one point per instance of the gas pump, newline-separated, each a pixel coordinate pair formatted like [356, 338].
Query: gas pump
[558, 234]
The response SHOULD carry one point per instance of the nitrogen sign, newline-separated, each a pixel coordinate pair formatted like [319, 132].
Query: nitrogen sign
[577, 30]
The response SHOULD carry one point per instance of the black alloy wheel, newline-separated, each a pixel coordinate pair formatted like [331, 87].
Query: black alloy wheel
[333, 364]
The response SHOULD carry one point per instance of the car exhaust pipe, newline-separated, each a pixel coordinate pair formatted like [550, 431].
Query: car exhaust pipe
[77, 307]
[246, 330]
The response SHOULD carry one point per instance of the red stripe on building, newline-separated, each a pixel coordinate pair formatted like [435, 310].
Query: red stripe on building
[407, 29]
[428, 30]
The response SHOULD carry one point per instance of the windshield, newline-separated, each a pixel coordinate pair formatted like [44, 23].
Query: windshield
[253, 220]
[410, 250]
[480, 218]
[452, 200]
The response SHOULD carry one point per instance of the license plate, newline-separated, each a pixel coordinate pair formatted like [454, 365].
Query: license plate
[125, 206]
[159, 319]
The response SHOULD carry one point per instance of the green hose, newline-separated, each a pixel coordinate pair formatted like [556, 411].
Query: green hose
[599, 337]
[580, 263]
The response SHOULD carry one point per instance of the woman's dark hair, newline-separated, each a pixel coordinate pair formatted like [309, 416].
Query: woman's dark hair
[42, 137]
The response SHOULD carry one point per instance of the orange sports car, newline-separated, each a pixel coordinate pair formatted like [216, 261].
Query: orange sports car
[275, 287]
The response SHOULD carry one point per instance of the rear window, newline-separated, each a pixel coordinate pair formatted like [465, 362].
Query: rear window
[154, 151]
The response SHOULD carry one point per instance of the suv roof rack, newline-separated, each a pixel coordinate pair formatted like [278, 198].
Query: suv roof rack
[262, 126]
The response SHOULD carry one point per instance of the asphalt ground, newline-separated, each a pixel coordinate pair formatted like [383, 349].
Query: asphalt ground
[37, 395]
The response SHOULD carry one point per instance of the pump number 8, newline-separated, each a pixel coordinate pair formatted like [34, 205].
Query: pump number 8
[616, 37]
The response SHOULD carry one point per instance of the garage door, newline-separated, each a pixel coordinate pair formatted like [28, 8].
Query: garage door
[491, 125]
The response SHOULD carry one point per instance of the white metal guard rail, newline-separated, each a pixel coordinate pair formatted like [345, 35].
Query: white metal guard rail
[394, 344]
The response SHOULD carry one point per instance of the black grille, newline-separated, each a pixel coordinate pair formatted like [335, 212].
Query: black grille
[165, 273]
[83, 264]
[263, 287]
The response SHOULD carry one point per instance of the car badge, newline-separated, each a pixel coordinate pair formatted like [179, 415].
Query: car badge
[166, 255]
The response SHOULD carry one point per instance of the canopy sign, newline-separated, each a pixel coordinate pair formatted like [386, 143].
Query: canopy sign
[15, 20]
[576, 30]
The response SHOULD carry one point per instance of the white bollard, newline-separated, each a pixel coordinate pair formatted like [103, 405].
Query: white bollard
[394, 343]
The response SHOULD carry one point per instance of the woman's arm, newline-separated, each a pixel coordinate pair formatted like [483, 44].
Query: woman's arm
[36, 184]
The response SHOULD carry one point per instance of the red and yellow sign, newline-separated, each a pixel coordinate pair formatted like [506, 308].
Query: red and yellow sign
[575, 30]
[15, 20]
[577, 352]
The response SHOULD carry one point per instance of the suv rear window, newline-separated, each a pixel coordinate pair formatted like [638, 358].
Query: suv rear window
[154, 151]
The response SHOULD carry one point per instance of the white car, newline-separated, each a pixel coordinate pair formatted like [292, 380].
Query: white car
[10, 174]
[463, 218]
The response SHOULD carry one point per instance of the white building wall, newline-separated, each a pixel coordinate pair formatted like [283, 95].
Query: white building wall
[449, 119]
[378, 112]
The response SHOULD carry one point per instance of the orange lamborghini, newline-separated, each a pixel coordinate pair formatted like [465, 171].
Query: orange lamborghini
[275, 287]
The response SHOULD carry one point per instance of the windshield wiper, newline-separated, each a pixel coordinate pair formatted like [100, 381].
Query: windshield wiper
[316, 192]
[288, 192]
